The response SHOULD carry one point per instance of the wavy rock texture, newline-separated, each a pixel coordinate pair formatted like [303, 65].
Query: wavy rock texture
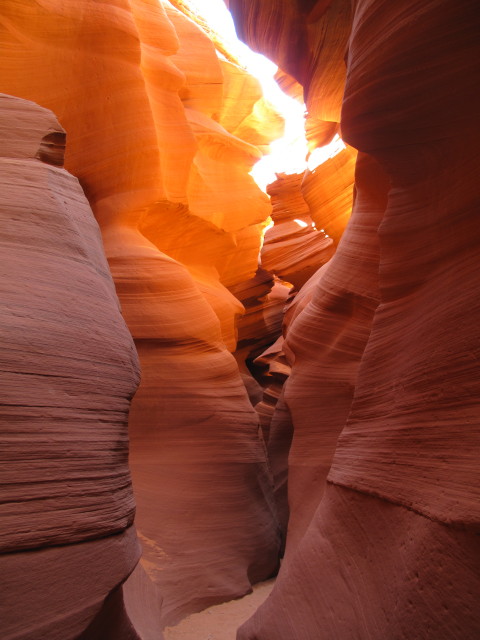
[325, 340]
[307, 40]
[433, 317]
[273, 359]
[277, 427]
[373, 439]
[203, 469]
[69, 370]
[328, 192]
[148, 110]
[383, 393]
[293, 248]
[245, 112]
[264, 297]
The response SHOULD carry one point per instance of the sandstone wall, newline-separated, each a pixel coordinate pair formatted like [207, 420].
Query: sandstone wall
[373, 441]
[69, 370]
[164, 159]
[383, 393]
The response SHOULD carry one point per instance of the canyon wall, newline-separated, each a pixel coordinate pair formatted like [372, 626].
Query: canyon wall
[162, 134]
[383, 393]
[372, 479]
[69, 370]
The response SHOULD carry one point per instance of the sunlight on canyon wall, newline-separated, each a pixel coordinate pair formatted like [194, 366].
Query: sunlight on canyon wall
[307, 340]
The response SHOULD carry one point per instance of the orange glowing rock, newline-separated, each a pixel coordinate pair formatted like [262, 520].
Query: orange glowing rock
[138, 87]
[309, 47]
[328, 191]
[289, 85]
[245, 112]
[293, 248]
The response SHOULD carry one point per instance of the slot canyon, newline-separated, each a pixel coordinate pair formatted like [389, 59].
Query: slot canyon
[206, 386]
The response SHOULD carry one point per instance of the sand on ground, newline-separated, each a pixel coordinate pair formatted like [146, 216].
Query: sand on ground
[221, 621]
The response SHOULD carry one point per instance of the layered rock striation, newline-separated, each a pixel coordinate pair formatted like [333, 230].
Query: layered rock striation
[371, 478]
[162, 147]
[69, 371]
[383, 390]
[293, 248]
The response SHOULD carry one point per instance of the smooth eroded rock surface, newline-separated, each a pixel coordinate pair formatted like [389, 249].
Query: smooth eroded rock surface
[164, 162]
[69, 370]
[293, 248]
[383, 392]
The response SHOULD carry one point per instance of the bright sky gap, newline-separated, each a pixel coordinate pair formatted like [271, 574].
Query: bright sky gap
[288, 154]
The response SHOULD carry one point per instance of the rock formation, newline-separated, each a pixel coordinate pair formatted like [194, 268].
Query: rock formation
[383, 393]
[162, 147]
[293, 249]
[69, 370]
[328, 192]
[371, 482]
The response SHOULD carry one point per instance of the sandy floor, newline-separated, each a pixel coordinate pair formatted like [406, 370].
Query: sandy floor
[222, 621]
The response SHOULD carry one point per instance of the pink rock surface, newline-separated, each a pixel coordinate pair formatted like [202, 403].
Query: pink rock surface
[70, 591]
[337, 320]
[139, 88]
[390, 550]
[66, 342]
[372, 569]
[374, 436]
[204, 467]
[69, 370]
[420, 445]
